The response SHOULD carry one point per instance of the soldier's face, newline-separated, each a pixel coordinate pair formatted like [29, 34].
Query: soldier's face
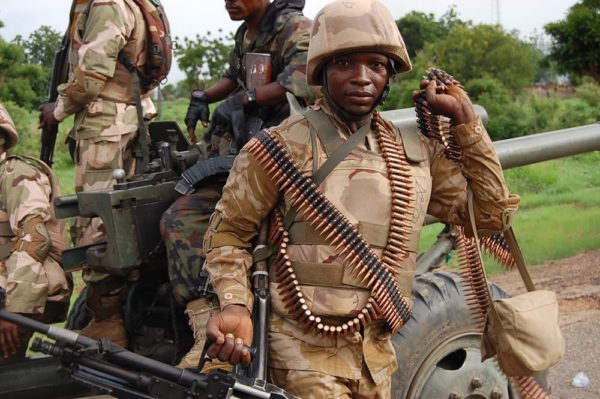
[356, 81]
[240, 10]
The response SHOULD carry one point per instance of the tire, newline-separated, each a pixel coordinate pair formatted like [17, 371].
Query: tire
[438, 349]
[79, 315]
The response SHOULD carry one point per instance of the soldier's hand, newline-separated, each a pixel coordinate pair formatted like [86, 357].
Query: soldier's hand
[231, 333]
[9, 338]
[450, 101]
[197, 110]
[47, 119]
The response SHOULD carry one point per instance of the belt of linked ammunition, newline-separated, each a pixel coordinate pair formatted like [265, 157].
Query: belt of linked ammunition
[336, 228]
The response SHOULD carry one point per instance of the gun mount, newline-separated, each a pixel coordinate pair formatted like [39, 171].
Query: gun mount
[131, 212]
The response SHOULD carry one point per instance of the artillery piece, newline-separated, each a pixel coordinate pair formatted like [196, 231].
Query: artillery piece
[438, 352]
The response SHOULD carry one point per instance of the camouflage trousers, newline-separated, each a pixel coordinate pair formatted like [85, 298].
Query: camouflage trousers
[182, 227]
[95, 160]
[308, 384]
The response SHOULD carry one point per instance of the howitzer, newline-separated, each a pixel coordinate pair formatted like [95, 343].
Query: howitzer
[448, 364]
[110, 369]
[59, 76]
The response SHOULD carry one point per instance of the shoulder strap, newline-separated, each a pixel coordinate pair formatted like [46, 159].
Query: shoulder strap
[513, 246]
[325, 130]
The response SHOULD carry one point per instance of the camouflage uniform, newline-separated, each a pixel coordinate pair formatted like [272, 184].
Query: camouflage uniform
[360, 179]
[100, 94]
[31, 273]
[185, 222]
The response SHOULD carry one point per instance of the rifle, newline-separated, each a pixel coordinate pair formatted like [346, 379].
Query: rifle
[59, 76]
[110, 369]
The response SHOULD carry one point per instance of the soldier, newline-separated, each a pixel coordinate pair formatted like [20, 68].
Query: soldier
[100, 94]
[255, 91]
[346, 239]
[31, 242]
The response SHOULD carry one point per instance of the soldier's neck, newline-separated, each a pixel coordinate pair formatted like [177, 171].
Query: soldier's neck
[253, 22]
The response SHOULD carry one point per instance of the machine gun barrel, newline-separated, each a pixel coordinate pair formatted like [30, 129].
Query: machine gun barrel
[107, 366]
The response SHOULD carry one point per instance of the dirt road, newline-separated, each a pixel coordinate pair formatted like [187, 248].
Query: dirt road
[576, 280]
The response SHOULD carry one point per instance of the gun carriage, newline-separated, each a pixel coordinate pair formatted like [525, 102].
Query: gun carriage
[447, 361]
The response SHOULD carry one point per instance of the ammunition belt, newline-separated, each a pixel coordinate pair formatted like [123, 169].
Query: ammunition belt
[376, 273]
[434, 126]
[474, 282]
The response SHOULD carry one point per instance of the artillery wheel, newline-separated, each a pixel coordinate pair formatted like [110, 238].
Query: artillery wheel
[438, 349]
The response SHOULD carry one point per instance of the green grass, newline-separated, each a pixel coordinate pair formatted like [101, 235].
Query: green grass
[559, 214]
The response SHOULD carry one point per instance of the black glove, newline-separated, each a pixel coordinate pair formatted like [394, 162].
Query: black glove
[229, 117]
[197, 109]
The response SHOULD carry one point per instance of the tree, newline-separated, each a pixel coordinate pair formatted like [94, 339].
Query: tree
[418, 28]
[19, 81]
[204, 58]
[576, 40]
[41, 46]
[482, 51]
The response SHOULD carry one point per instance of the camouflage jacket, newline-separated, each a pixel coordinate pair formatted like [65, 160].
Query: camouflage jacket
[360, 189]
[99, 90]
[26, 190]
[286, 40]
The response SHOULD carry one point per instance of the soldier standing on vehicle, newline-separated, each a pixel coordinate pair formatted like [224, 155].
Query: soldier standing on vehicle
[335, 304]
[31, 241]
[101, 95]
[268, 61]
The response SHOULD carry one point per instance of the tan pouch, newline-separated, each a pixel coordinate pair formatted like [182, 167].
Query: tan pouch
[523, 333]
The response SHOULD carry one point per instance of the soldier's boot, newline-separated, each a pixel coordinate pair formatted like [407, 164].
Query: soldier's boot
[198, 312]
[107, 319]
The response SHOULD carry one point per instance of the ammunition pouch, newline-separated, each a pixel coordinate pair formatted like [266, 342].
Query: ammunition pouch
[34, 239]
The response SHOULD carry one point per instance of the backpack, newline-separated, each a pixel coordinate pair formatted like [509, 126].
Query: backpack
[159, 47]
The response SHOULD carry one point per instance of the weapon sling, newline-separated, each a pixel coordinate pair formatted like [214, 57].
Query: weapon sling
[343, 235]
[142, 140]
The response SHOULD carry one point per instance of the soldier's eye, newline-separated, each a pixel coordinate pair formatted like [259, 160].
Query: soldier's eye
[341, 62]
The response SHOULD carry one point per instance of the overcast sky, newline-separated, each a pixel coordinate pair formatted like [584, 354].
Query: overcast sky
[189, 17]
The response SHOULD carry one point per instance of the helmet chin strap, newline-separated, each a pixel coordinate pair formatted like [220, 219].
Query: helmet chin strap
[348, 115]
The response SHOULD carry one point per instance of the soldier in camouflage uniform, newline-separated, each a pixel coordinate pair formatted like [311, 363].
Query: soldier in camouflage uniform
[355, 49]
[278, 29]
[31, 242]
[100, 94]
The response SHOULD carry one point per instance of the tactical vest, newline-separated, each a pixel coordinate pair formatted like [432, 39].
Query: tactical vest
[360, 189]
[118, 88]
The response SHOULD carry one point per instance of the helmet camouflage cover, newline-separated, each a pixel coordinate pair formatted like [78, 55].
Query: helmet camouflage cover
[345, 26]
[8, 129]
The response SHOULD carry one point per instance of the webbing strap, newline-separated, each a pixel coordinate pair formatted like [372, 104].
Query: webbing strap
[5, 230]
[325, 130]
[142, 128]
[6, 249]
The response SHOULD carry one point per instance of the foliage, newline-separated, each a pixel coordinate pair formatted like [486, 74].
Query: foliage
[483, 51]
[418, 28]
[576, 40]
[25, 67]
[41, 46]
[589, 91]
[204, 57]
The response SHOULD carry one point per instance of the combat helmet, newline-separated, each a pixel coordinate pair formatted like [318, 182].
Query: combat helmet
[354, 25]
[7, 126]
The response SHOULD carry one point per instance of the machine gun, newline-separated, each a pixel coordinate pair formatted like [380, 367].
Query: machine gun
[110, 369]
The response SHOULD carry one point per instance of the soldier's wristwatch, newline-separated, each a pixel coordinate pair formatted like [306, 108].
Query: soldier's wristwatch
[251, 94]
